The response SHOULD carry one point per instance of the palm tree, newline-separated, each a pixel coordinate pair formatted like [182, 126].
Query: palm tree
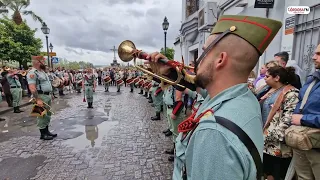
[17, 7]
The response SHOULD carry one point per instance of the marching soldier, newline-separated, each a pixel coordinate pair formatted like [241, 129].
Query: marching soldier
[131, 77]
[174, 101]
[79, 80]
[106, 80]
[60, 74]
[157, 94]
[89, 86]
[119, 81]
[15, 89]
[41, 90]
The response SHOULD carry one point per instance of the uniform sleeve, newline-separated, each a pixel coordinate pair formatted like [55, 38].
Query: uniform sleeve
[215, 157]
[31, 77]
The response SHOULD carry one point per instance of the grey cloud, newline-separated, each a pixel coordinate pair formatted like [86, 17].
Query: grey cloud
[113, 2]
[95, 26]
[153, 12]
[64, 12]
[135, 13]
[74, 51]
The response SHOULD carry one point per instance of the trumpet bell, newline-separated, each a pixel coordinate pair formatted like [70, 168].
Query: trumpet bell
[125, 50]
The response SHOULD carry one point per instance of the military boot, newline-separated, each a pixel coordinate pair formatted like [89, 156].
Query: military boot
[157, 117]
[16, 110]
[44, 135]
[49, 133]
[170, 151]
[91, 105]
[171, 158]
[20, 109]
[145, 94]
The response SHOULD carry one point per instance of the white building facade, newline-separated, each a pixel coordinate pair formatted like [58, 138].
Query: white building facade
[299, 35]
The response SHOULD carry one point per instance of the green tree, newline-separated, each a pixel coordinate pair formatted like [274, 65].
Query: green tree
[169, 54]
[18, 42]
[73, 64]
[18, 6]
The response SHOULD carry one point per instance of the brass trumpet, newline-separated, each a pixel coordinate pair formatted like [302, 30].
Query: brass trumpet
[22, 72]
[127, 51]
[39, 111]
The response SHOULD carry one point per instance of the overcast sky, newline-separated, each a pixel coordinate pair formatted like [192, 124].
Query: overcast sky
[83, 30]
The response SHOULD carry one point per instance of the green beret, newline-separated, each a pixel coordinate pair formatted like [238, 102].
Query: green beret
[259, 32]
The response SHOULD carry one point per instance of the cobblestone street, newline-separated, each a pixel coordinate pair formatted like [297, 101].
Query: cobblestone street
[115, 140]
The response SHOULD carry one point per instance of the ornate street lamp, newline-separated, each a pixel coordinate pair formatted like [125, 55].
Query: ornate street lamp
[46, 31]
[165, 26]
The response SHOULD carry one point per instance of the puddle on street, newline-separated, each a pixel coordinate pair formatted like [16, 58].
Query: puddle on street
[93, 135]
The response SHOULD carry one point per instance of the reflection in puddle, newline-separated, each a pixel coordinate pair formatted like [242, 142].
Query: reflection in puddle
[93, 135]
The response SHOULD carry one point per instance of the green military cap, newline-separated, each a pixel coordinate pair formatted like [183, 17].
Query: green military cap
[259, 32]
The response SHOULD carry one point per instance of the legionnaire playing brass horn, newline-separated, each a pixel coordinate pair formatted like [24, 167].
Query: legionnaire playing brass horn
[223, 139]
[41, 90]
[15, 89]
[89, 86]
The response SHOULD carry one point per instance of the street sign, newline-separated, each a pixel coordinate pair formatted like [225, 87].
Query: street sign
[52, 54]
[55, 60]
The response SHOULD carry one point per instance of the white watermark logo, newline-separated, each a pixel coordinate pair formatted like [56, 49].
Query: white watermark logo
[298, 10]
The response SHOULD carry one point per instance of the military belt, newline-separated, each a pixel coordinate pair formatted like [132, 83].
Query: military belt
[45, 93]
[14, 87]
[88, 85]
[170, 106]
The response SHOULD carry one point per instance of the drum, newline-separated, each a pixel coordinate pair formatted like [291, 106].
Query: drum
[107, 79]
[79, 83]
[120, 82]
[56, 82]
[136, 80]
[141, 82]
[146, 84]
[130, 81]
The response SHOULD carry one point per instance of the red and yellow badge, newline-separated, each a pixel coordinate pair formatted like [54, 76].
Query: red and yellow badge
[31, 76]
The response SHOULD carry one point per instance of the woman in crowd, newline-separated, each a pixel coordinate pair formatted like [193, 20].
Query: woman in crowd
[277, 105]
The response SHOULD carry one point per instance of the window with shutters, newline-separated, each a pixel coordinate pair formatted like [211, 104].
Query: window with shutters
[192, 7]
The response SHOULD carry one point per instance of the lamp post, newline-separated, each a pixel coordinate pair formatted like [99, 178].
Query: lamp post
[165, 26]
[51, 48]
[46, 31]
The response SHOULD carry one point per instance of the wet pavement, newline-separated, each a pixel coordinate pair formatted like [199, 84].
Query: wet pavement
[115, 140]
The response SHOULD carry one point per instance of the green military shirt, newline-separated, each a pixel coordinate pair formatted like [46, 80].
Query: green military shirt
[89, 79]
[13, 80]
[213, 152]
[40, 78]
[78, 77]
[168, 96]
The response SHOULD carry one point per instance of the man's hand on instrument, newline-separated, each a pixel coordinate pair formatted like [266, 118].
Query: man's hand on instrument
[173, 116]
[39, 102]
[163, 68]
